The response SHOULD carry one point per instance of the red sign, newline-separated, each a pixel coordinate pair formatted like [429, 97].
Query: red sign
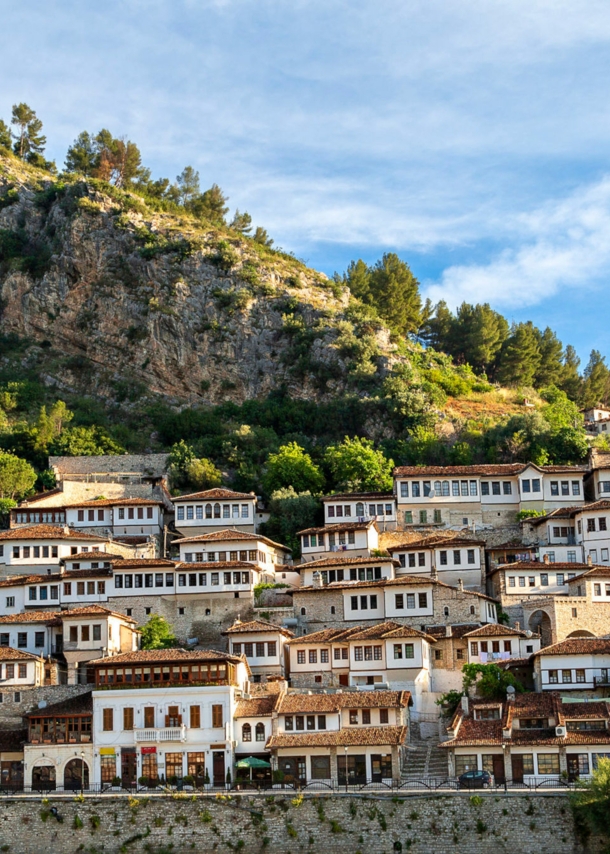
[149, 750]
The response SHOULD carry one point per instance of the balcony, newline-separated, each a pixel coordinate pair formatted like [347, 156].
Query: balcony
[153, 735]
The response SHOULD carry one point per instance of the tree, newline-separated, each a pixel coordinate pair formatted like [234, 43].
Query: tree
[437, 332]
[85, 442]
[591, 802]
[491, 681]
[17, 477]
[292, 467]
[203, 474]
[242, 222]
[356, 465]
[551, 351]
[211, 205]
[596, 385]
[157, 634]
[358, 280]
[28, 139]
[181, 457]
[50, 425]
[83, 156]
[6, 140]
[291, 512]
[395, 294]
[188, 185]
[477, 336]
[520, 356]
[570, 380]
[261, 236]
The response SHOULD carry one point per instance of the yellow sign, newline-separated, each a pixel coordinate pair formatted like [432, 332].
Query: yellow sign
[106, 751]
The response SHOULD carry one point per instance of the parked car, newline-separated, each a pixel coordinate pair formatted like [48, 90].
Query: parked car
[475, 780]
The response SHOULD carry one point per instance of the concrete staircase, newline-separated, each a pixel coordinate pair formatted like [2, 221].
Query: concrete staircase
[424, 759]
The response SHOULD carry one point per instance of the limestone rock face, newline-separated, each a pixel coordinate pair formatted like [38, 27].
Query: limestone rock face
[127, 301]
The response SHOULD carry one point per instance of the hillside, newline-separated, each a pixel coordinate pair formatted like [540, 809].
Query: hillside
[125, 298]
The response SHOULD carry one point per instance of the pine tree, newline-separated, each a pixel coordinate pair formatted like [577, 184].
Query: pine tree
[596, 385]
[29, 140]
[437, 331]
[211, 205]
[242, 222]
[358, 280]
[6, 140]
[261, 236]
[188, 184]
[395, 294]
[520, 356]
[551, 350]
[83, 156]
[478, 335]
[570, 380]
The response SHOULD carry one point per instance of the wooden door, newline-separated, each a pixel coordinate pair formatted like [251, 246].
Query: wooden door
[499, 774]
[218, 767]
[129, 768]
[517, 766]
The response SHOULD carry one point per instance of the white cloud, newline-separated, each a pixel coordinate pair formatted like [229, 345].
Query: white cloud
[564, 244]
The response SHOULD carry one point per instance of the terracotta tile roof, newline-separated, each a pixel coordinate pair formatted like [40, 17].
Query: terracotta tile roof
[169, 656]
[30, 617]
[595, 572]
[230, 535]
[304, 703]
[483, 470]
[257, 707]
[7, 653]
[114, 502]
[94, 610]
[326, 636]
[589, 710]
[435, 542]
[602, 504]
[103, 556]
[79, 705]
[389, 629]
[356, 496]
[534, 565]
[577, 646]
[401, 581]
[495, 630]
[48, 532]
[69, 575]
[143, 562]
[346, 561]
[39, 496]
[356, 736]
[214, 495]
[339, 526]
[257, 626]
[457, 631]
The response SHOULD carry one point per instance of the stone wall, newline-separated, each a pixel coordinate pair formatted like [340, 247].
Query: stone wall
[11, 712]
[557, 617]
[335, 825]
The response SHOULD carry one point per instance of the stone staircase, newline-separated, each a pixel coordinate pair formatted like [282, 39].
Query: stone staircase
[424, 759]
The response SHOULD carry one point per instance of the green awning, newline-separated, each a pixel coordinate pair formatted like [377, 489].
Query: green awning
[253, 762]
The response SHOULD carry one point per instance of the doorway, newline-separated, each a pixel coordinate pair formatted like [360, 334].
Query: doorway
[129, 768]
[498, 769]
[76, 775]
[218, 767]
[517, 767]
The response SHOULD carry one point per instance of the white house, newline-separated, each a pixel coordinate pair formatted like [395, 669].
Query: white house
[20, 669]
[599, 479]
[448, 559]
[494, 642]
[575, 664]
[252, 729]
[379, 507]
[326, 570]
[515, 582]
[230, 545]
[348, 738]
[593, 531]
[263, 644]
[39, 547]
[214, 510]
[359, 539]
[166, 713]
[121, 517]
[466, 496]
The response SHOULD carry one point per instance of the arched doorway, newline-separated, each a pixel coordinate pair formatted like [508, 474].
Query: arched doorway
[73, 772]
[540, 623]
[581, 633]
[43, 778]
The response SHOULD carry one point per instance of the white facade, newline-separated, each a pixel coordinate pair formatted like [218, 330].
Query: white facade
[19, 669]
[229, 545]
[355, 538]
[361, 507]
[214, 510]
[329, 570]
[449, 560]
[263, 645]
[40, 547]
[576, 664]
[487, 646]
[123, 517]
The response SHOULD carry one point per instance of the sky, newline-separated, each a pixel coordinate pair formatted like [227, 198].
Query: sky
[471, 137]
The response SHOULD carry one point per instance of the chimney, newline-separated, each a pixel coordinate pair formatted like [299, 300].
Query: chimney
[465, 705]
[518, 625]
[460, 585]
[434, 572]
[545, 559]
[448, 631]
[589, 560]
[317, 579]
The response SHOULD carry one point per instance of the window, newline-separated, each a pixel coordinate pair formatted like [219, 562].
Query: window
[471, 556]
[84, 633]
[474, 648]
[544, 579]
[313, 656]
[580, 676]
[353, 716]
[575, 487]
[408, 517]
[97, 633]
[554, 487]
[260, 732]
[423, 517]
[358, 653]
[438, 654]
[423, 600]
[590, 525]
[438, 517]
[39, 639]
[246, 732]
[404, 491]
[107, 720]
[22, 640]
[566, 676]
[602, 524]
[484, 488]
[560, 579]
[511, 581]
[300, 656]
[571, 557]
[457, 557]
[217, 716]
[23, 671]
[410, 600]
[443, 558]
[127, 718]
[409, 650]
[548, 763]
[465, 763]
[507, 487]
[495, 487]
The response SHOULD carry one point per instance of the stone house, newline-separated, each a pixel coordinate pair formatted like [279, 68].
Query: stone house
[449, 559]
[20, 669]
[358, 539]
[263, 644]
[273, 560]
[214, 510]
[327, 570]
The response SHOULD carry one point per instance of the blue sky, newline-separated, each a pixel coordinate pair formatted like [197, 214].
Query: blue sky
[470, 137]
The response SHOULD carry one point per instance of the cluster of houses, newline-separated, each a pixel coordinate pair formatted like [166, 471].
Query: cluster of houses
[325, 669]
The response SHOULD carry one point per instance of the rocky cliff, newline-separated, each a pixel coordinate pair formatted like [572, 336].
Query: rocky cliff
[119, 300]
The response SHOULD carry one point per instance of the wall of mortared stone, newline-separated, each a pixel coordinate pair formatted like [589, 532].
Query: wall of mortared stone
[435, 824]
[11, 712]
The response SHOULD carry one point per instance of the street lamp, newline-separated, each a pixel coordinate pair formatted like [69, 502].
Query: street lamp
[82, 771]
[345, 748]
